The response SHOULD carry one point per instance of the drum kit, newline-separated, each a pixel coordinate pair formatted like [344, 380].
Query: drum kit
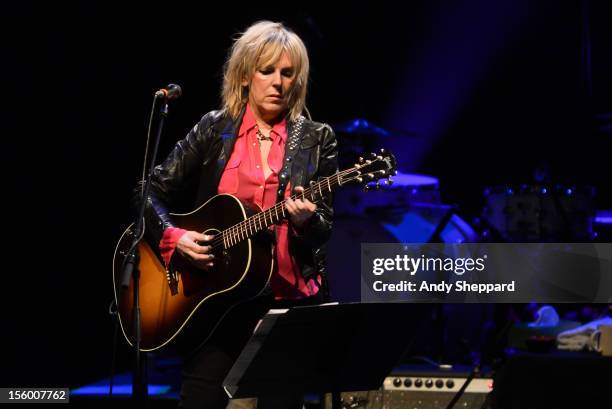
[542, 212]
[410, 210]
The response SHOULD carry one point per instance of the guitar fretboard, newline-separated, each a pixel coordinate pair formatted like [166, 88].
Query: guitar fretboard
[264, 219]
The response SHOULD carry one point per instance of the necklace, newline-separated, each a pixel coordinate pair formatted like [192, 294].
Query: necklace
[262, 137]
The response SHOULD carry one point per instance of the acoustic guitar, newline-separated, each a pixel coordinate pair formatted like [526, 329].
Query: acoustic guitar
[185, 303]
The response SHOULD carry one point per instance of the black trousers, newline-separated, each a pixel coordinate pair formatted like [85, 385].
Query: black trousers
[205, 369]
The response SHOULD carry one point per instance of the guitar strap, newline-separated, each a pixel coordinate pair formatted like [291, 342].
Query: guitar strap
[293, 141]
[294, 138]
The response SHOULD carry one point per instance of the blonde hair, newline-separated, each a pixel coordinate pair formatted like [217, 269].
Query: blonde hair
[260, 45]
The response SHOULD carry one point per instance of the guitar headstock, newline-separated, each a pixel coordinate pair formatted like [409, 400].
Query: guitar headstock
[372, 168]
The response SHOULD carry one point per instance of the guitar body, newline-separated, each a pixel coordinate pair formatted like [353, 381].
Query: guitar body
[188, 315]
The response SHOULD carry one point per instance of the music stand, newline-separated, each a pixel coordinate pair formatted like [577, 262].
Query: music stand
[324, 348]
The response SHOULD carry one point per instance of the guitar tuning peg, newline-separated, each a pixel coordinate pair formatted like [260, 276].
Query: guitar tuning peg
[382, 150]
[373, 155]
[368, 162]
[382, 172]
[371, 175]
[379, 157]
[395, 173]
[360, 159]
[359, 179]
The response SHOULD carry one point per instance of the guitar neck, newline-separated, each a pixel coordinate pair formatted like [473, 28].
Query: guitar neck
[264, 219]
[378, 166]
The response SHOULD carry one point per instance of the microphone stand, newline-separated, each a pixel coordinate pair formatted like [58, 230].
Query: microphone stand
[139, 386]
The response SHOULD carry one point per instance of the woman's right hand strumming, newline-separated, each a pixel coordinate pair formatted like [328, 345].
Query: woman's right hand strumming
[195, 247]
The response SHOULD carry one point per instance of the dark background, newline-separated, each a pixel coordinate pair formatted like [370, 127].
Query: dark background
[482, 92]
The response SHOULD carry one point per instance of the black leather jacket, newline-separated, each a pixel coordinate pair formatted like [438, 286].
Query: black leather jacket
[191, 173]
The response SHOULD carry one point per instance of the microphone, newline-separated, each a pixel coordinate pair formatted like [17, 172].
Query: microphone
[173, 91]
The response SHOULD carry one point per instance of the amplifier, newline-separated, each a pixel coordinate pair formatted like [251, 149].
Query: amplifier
[418, 388]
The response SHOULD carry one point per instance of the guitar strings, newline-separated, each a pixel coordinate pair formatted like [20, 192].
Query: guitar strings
[248, 227]
[243, 230]
[238, 232]
[258, 222]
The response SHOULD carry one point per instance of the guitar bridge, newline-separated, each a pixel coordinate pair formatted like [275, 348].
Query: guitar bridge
[172, 278]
